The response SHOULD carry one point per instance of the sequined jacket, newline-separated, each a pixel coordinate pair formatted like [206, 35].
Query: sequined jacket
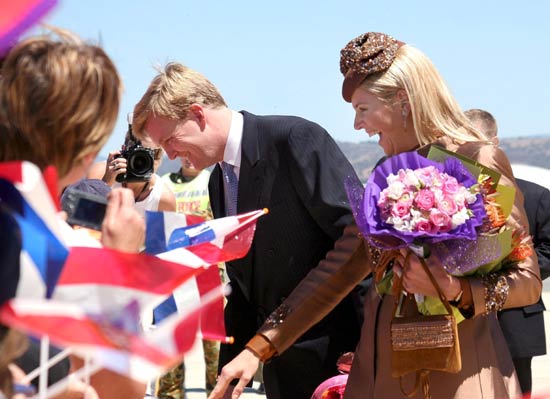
[352, 259]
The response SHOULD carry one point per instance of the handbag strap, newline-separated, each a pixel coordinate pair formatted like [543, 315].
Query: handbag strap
[422, 379]
[422, 376]
[406, 263]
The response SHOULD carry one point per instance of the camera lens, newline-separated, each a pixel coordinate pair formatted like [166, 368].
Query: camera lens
[140, 163]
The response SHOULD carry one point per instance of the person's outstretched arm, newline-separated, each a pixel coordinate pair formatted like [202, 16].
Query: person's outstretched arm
[320, 291]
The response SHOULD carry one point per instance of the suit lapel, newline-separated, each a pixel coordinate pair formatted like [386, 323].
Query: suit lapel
[215, 189]
[253, 167]
[251, 175]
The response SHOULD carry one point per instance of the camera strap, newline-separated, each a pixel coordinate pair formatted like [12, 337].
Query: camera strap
[137, 198]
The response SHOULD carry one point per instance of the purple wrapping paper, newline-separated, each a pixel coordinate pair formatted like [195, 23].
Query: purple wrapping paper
[383, 235]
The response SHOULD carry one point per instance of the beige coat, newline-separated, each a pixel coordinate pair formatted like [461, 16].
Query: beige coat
[487, 369]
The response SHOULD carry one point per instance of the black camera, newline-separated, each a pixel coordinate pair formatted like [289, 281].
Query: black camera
[140, 161]
[84, 209]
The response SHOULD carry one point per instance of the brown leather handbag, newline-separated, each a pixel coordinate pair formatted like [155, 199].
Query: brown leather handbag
[422, 343]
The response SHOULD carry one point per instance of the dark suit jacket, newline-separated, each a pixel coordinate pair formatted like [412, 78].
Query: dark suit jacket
[523, 328]
[295, 169]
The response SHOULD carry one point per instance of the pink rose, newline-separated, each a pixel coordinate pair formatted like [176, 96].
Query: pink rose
[400, 209]
[441, 220]
[450, 185]
[425, 199]
[447, 205]
[424, 226]
[426, 175]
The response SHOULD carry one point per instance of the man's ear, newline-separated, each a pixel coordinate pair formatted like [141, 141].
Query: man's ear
[197, 112]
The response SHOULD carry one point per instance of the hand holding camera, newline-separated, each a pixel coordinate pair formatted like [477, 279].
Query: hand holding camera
[115, 166]
[134, 164]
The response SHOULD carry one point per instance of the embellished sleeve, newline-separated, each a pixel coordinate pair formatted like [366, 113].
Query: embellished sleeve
[320, 291]
[516, 286]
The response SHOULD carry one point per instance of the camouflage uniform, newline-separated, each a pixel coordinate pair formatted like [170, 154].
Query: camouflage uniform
[211, 354]
[171, 384]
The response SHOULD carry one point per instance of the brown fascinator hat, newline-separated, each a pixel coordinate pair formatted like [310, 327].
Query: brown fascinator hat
[369, 53]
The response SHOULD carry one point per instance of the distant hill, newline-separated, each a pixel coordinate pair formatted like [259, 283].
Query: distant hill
[528, 150]
[533, 151]
[363, 156]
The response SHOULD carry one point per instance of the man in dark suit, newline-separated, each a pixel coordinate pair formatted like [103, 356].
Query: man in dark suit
[523, 328]
[286, 164]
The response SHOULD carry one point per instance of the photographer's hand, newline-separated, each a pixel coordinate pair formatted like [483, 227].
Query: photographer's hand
[123, 227]
[114, 166]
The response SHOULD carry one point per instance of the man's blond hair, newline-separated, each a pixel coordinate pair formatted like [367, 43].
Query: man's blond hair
[171, 93]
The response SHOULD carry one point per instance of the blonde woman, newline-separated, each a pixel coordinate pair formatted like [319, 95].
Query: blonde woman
[398, 95]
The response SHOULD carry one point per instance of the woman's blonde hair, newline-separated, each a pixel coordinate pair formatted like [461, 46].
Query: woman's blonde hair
[172, 92]
[434, 110]
[59, 100]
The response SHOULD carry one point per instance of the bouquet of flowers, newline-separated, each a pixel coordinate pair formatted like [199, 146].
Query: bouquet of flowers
[444, 204]
[429, 202]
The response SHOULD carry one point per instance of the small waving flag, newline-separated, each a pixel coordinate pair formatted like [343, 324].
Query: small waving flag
[68, 324]
[94, 277]
[24, 191]
[109, 336]
[100, 293]
[204, 244]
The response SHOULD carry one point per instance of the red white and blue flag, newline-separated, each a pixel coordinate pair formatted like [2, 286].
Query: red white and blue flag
[201, 245]
[110, 338]
[94, 277]
[204, 244]
[98, 289]
[28, 194]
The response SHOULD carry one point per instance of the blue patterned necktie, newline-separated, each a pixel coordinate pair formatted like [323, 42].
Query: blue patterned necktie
[231, 185]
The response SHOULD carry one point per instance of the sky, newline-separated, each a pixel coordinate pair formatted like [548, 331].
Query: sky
[282, 57]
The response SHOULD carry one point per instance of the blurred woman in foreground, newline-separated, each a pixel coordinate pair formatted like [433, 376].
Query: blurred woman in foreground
[59, 100]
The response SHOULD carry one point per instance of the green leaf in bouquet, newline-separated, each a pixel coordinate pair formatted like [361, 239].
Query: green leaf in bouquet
[385, 284]
[505, 198]
[439, 154]
[434, 306]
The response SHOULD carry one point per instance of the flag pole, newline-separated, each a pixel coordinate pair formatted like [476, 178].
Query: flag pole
[87, 369]
[62, 385]
[43, 368]
[51, 362]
